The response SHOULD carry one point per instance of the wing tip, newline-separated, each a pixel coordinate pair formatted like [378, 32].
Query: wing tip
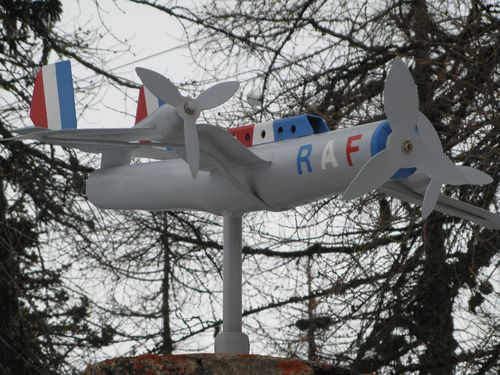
[493, 221]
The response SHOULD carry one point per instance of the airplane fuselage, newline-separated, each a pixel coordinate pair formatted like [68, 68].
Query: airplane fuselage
[300, 170]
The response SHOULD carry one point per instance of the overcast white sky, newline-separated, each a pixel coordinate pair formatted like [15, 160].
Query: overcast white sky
[148, 32]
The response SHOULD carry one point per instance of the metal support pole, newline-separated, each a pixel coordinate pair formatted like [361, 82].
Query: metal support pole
[231, 299]
[232, 340]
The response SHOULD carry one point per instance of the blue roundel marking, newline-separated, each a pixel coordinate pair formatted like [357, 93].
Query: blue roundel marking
[379, 142]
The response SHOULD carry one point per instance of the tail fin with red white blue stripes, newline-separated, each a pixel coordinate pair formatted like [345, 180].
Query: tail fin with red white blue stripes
[147, 104]
[53, 102]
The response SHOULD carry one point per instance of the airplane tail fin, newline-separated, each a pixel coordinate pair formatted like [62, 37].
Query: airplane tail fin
[53, 102]
[147, 104]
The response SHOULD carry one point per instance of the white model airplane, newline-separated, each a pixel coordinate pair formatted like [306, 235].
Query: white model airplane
[241, 169]
[273, 166]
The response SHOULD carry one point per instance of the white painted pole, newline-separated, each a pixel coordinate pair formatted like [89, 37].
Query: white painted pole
[232, 340]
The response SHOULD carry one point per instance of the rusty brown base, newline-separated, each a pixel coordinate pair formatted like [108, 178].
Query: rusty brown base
[211, 364]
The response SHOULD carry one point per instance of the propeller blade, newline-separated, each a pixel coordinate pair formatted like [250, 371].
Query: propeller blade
[428, 132]
[160, 86]
[437, 166]
[430, 198]
[192, 145]
[373, 174]
[217, 94]
[401, 99]
[475, 176]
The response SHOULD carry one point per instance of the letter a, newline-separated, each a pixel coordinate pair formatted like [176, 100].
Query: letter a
[328, 156]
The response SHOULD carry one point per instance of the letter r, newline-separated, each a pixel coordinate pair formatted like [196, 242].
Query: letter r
[303, 157]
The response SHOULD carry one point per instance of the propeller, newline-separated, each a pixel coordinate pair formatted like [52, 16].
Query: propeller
[188, 109]
[412, 143]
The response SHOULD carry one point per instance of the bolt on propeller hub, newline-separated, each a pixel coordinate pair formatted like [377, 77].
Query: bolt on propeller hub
[189, 108]
[407, 146]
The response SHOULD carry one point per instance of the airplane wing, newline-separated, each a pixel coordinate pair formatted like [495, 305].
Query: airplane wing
[218, 147]
[403, 191]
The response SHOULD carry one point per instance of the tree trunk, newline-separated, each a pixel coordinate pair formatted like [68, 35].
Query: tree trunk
[167, 345]
[13, 358]
[311, 308]
[434, 304]
[434, 294]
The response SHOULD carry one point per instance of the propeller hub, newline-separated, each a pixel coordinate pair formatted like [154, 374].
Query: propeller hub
[189, 108]
[407, 147]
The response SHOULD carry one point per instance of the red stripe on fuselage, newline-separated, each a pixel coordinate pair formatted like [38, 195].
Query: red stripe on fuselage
[244, 134]
[38, 111]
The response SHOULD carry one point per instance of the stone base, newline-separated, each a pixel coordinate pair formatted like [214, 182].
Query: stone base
[211, 364]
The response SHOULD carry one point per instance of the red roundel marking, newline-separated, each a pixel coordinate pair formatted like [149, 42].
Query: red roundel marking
[244, 134]
[38, 111]
[349, 148]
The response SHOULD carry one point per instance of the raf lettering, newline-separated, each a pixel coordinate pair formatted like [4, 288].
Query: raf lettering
[327, 156]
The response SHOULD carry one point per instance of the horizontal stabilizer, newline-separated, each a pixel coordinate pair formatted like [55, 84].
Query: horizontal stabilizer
[217, 147]
[29, 130]
[114, 135]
